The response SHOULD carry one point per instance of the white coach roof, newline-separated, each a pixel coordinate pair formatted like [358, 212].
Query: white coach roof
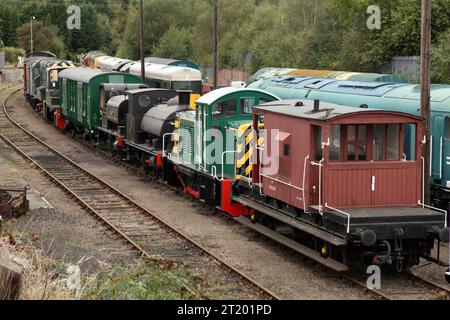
[165, 72]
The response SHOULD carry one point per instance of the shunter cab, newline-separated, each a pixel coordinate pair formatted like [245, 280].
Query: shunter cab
[344, 170]
[206, 144]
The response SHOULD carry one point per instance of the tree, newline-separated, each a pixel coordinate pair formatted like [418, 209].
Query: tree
[160, 16]
[440, 67]
[175, 44]
[9, 21]
[45, 38]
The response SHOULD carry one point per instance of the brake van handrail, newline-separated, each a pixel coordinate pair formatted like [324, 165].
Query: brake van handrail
[340, 211]
[435, 209]
[320, 165]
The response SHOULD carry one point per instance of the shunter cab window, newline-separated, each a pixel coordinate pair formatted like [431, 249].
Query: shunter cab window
[224, 109]
[365, 142]
[53, 78]
[247, 104]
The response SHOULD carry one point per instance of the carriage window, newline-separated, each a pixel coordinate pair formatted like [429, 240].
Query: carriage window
[351, 143]
[356, 143]
[393, 141]
[318, 152]
[447, 128]
[410, 142]
[287, 150]
[362, 143]
[379, 142]
[335, 139]
[224, 109]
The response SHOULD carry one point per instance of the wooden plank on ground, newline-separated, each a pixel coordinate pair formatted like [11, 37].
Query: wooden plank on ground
[10, 279]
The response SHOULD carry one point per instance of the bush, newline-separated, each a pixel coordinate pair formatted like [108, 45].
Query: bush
[440, 63]
[11, 54]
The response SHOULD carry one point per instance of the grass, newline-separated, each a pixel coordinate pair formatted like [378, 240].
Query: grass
[142, 282]
[45, 277]
[41, 277]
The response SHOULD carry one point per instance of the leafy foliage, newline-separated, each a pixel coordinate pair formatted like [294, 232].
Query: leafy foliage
[321, 34]
[143, 282]
[45, 38]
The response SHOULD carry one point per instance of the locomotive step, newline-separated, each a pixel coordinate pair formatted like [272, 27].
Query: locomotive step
[307, 252]
[325, 236]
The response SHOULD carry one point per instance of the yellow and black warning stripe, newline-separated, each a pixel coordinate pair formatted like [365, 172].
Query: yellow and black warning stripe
[245, 138]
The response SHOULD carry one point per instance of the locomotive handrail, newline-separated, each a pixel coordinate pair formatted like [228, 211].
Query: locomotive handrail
[441, 149]
[289, 184]
[343, 212]
[422, 203]
[261, 149]
[423, 179]
[261, 154]
[164, 142]
[214, 168]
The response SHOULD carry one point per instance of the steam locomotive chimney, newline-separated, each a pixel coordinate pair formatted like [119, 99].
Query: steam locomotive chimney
[184, 97]
[316, 105]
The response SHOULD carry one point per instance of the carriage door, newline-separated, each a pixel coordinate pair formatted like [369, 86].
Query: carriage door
[437, 148]
[446, 155]
[79, 108]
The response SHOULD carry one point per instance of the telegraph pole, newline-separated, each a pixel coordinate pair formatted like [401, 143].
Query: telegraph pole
[215, 42]
[425, 80]
[31, 31]
[141, 37]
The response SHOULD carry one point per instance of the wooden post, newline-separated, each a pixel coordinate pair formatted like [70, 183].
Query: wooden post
[425, 80]
[215, 42]
[141, 41]
[10, 279]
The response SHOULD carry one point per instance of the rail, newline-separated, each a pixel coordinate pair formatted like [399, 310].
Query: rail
[102, 214]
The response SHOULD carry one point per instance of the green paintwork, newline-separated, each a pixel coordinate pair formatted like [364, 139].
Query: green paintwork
[80, 93]
[203, 156]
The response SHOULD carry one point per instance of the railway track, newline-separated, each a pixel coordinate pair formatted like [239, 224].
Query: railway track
[140, 232]
[155, 239]
[405, 286]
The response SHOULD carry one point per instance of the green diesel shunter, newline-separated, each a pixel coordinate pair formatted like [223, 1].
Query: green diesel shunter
[80, 94]
[212, 143]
